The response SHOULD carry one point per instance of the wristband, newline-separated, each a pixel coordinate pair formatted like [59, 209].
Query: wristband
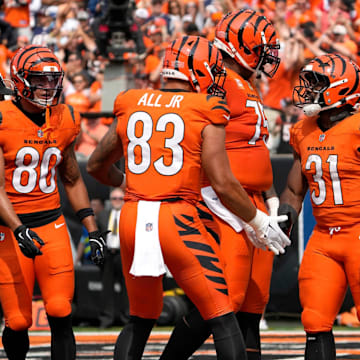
[286, 209]
[85, 212]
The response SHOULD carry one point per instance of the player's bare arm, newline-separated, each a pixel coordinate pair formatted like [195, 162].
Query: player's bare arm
[216, 165]
[74, 186]
[296, 186]
[101, 162]
[7, 212]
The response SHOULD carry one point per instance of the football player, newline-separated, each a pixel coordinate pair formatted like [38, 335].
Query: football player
[166, 136]
[249, 45]
[36, 140]
[326, 147]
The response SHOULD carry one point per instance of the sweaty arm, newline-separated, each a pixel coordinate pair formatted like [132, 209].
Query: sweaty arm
[293, 195]
[217, 168]
[74, 186]
[7, 212]
[101, 164]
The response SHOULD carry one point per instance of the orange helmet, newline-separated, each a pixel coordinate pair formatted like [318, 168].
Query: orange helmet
[196, 60]
[37, 75]
[326, 82]
[249, 38]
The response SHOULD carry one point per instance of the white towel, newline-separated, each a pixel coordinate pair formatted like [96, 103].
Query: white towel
[148, 259]
[215, 205]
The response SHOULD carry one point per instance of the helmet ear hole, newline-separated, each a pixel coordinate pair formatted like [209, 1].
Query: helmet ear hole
[343, 91]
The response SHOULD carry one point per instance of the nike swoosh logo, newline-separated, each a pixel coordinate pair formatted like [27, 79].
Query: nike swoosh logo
[57, 226]
[227, 117]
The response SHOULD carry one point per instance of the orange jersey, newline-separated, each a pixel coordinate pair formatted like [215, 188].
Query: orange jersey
[330, 161]
[161, 137]
[246, 134]
[32, 154]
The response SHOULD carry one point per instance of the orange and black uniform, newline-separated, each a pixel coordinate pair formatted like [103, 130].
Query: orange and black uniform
[31, 155]
[248, 269]
[330, 162]
[161, 133]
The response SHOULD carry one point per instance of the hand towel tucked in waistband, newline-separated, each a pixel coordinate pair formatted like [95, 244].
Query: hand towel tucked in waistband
[215, 205]
[148, 259]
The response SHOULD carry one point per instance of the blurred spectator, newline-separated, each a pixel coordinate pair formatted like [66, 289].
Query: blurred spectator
[17, 14]
[336, 39]
[92, 131]
[197, 13]
[153, 60]
[45, 24]
[80, 99]
[75, 64]
[175, 11]
[156, 10]
[8, 35]
[298, 13]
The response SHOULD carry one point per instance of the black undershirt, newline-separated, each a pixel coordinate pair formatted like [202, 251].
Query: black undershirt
[37, 118]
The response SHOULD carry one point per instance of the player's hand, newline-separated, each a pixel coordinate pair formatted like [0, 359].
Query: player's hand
[269, 233]
[26, 237]
[291, 213]
[98, 246]
[251, 234]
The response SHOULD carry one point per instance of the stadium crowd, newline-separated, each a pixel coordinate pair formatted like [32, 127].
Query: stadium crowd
[80, 35]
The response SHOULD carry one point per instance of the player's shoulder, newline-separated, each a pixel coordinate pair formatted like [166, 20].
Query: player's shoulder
[304, 126]
[66, 112]
[10, 114]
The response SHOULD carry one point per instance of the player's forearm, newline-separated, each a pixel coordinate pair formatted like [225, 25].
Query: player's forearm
[7, 211]
[235, 198]
[288, 196]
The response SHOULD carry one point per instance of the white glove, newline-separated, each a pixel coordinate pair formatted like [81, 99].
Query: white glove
[272, 204]
[269, 233]
[251, 234]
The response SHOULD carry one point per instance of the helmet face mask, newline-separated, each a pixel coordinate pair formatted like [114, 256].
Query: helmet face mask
[328, 81]
[44, 87]
[219, 76]
[195, 60]
[269, 60]
[37, 75]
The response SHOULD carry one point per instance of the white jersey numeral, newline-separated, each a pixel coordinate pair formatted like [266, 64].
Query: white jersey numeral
[25, 175]
[144, 121]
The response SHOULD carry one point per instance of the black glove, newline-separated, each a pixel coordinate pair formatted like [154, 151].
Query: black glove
[98, 246]
[26, 238]
[286, 226]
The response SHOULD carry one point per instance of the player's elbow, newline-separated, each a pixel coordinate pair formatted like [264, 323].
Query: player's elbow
[92, 169]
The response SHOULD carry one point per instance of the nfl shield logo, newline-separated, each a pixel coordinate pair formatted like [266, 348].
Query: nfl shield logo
[40, 133]
[149, 227]
[2, 236]
[322, 137]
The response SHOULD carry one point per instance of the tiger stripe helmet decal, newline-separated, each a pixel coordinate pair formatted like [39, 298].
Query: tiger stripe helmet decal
[195, 60]
[326, 82]
[251, 39]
